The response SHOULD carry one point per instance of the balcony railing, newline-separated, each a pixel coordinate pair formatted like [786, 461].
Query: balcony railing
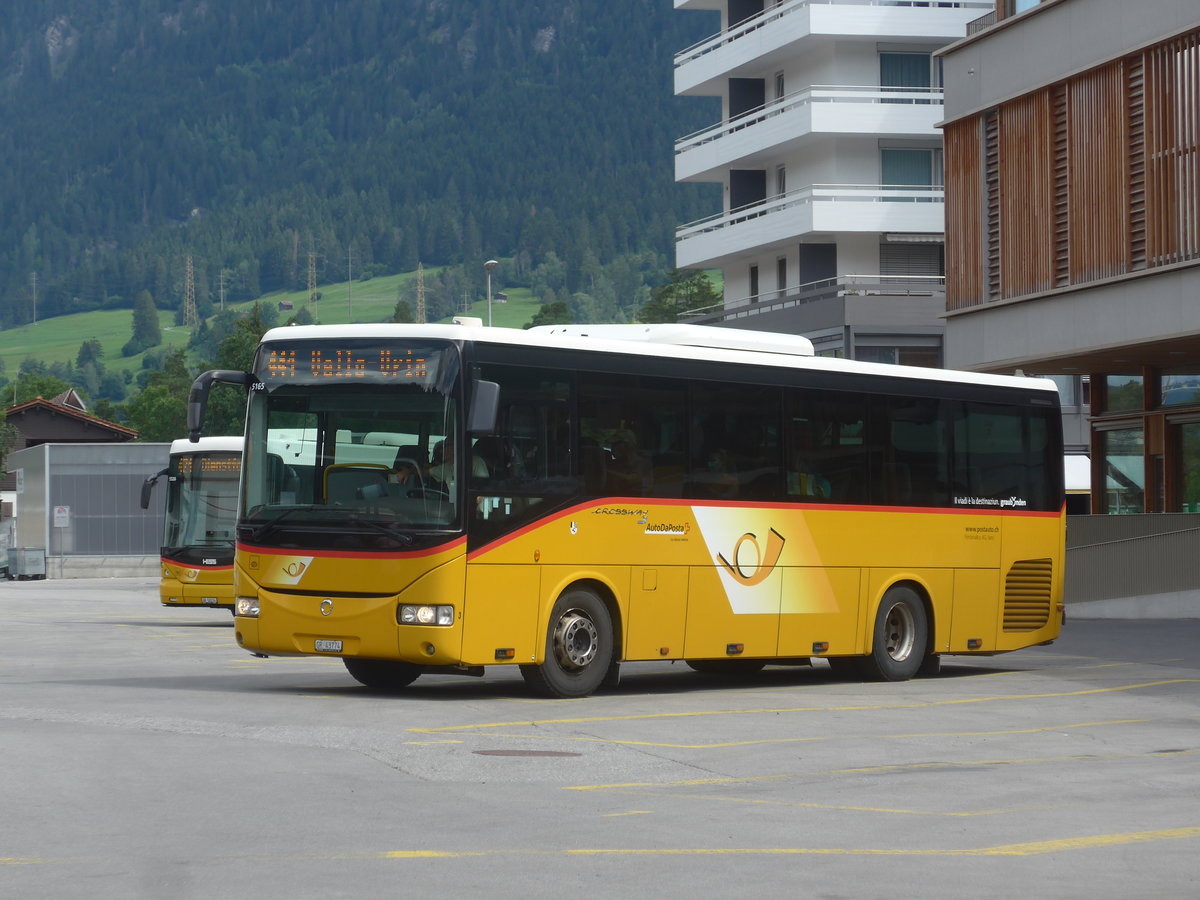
[841, 286]
[819, 93]
[776, 13]
[977, 25]
[817, 193]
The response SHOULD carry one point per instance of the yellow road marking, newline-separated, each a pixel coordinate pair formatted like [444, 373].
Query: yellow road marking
[834, 807]
[428, 743]
[582, 720]
[1031, 848]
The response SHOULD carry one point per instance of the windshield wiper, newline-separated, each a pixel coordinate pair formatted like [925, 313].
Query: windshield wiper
[258, 532]
[402, 536]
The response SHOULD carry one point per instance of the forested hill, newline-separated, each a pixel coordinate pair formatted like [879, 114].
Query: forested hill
[373, 133]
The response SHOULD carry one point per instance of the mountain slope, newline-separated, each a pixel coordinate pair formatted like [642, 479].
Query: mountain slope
[372, 133]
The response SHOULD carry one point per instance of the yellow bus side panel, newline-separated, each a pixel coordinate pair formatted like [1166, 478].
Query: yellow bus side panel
[501, 612]
[976, 605]
[715, 620]
[657, 611]
[819, 605]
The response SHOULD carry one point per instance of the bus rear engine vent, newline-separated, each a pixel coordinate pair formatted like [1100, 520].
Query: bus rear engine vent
[1027, 595]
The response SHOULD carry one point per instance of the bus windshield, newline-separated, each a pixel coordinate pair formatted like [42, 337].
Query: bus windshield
[351, 446]
[201, 500]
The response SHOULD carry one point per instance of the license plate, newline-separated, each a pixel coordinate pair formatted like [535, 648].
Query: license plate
[209, 601]
[328, 646]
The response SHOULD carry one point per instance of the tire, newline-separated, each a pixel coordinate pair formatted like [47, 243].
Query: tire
[901, 637]
[380, 674]
[727, 666]
[579, 647]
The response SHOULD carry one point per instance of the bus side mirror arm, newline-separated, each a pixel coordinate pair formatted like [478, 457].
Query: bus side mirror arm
[198, 396]
[485, 404]
[148, 487]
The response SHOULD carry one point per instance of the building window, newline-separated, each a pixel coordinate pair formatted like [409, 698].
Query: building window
[778, 85]
[780, 180]
[910, 167]
[1180, 390]
[781, 275]
[1123, 464]
[1188, 467]
[1124, 392]
[905, 70]
[929, 357]
[754, 284]
[912, 260]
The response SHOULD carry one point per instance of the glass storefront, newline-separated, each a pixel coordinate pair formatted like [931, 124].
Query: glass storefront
[1124, 469]
[1189, 467]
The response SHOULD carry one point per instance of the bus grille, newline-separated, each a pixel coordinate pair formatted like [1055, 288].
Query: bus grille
[1027, 595]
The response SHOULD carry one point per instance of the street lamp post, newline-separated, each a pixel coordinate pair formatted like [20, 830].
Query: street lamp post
[489, 266]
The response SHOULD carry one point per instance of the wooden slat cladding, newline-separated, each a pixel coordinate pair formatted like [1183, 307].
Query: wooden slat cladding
[1026, 196]
[991, 179]
[1135, 118]
[1088, 178]
[1172, 143]
[964, 169]
[1096, 190]
[1059, 99]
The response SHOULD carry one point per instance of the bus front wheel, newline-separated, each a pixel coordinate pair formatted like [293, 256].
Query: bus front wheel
[381, 674]
[579, 647]
[901, 636]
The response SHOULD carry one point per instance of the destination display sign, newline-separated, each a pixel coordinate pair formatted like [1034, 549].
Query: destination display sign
[216, 463]
[349, 362]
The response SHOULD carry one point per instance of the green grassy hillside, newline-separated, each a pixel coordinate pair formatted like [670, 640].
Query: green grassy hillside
[58, 339]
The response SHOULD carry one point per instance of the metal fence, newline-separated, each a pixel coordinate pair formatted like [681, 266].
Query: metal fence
[1110, 557]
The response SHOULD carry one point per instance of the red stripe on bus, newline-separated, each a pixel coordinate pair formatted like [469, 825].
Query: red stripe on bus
[735, 504]
[192, 565]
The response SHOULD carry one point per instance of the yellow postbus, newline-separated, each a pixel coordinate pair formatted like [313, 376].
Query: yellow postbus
[423, 499]
[201, 514]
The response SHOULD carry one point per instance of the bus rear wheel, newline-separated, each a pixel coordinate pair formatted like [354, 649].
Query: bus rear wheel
[579, 647]
[381, 674]
[901, 637]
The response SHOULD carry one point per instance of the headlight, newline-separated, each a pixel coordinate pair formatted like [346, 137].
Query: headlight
[425, 615]
[247, 607]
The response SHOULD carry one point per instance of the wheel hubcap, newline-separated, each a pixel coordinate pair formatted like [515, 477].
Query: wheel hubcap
[576, 640]
[900, 633]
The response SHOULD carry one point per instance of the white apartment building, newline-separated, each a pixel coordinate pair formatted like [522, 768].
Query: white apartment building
[831, 161]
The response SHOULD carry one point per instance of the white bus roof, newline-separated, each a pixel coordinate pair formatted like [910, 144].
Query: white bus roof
[696, 342]
[207, 444]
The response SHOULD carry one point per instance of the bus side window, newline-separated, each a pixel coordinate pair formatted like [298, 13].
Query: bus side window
[915, 468]
[735, 442]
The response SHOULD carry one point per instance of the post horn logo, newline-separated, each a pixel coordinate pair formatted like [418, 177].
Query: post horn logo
[763, 564]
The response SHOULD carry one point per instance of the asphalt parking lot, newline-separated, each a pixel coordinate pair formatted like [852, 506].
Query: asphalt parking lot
[144, 755]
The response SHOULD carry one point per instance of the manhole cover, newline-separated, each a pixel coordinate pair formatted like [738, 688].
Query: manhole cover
[525, 753]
